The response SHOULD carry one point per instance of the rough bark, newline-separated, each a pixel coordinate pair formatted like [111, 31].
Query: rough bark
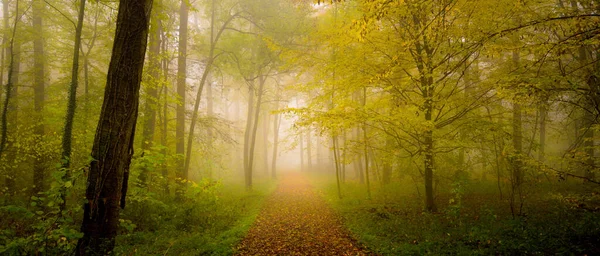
[113, 143]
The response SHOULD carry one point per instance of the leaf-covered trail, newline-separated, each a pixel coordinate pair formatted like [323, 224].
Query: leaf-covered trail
[296, 221]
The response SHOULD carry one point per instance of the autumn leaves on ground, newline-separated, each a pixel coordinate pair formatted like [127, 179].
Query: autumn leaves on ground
[295, 220]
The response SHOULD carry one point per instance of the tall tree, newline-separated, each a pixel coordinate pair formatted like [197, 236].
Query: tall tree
[38, 88]
[154, 81]
[181, 89]
[72, 103]
[113, 143]
[9, 110]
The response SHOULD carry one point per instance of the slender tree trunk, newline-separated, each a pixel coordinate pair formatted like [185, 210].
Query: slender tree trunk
[214, 38]
[72, 104]
[366, 148]
[39, 87]
[337, 166]
[249, 122]
[261, 81]
[151, 102]
[165, 108]
[517, 165]
[181, 88]
[343, 155]
[209, 130]
[308, 149]
[386, 172]
[113, 143]
[367, 161]
[265, 141]
[86, 68]
[430, 205]
[543, 110]
[319, 156]
[276, 122]
[359, 162]
[9, 111]
[301, 149]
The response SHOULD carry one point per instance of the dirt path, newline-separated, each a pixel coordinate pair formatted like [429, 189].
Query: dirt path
[296, 221]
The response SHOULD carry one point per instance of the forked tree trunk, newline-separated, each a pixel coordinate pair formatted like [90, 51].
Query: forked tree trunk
[113, 143]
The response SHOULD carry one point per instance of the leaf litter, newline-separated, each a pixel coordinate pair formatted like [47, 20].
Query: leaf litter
[295, 220]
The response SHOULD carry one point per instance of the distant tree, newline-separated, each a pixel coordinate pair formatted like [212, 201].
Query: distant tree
[72, 102]
[39, 89]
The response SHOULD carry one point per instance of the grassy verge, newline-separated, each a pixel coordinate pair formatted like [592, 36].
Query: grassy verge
[210, 223]
[475, 222]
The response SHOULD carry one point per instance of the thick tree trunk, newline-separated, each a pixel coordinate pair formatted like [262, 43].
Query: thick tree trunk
[113, 143]
[181, 88]
[38, 88]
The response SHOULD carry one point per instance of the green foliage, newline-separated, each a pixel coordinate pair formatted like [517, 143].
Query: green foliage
[38, 225]
[211, 219]
[474, 223]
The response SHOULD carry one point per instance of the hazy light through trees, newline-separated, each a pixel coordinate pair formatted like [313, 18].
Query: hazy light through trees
[211, 126]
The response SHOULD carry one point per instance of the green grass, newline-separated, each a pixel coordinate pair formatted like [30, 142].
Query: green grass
[204, 226]
[393, 222]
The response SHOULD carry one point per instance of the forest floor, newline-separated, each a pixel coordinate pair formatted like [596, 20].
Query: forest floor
[295, 220]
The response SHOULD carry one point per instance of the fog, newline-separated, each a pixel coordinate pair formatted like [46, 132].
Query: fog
[298, 127]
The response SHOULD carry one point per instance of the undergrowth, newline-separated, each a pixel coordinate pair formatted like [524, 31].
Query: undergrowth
[211, 219]
[469, 223]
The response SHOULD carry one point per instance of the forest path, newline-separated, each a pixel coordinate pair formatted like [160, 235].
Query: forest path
[295, 220]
